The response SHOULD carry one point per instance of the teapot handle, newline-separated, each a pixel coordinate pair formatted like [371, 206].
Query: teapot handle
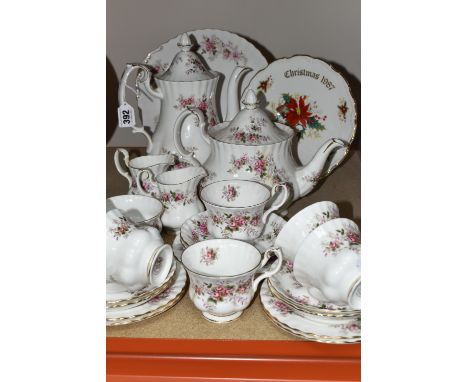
[139, 182]
[119, 167]
[144, 77]
[276, 206]
[184, 153]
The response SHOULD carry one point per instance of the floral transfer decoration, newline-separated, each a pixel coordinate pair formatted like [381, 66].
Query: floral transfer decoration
[250, 133]
[265, 84]
[201, 103]
[263, 166]
[342, 238]
[230, 193]
[173, 199]
[213, 47]
[209, 255]
[276, 227]
[224, 291]
[297, 112]
[353, 326]
[342, 110]
[240, 222]
[200, 230]
[321, 218]
[163, 295]
[280, 306]
[122, 228]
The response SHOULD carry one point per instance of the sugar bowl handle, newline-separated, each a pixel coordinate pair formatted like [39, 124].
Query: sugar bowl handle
[268, 253]
[277, 205]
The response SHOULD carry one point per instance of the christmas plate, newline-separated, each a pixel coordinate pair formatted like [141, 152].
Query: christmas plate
[117, 295]
[285, 287]
[222, 51]
[308, 95]
[152, 307]
[195, 229]
[314, 327]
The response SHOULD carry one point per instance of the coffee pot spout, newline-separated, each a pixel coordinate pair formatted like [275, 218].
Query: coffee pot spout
[308, 176]
[233, 102]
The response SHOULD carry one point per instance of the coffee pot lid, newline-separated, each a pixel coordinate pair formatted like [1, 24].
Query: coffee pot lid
[251, 126]
[186, 65]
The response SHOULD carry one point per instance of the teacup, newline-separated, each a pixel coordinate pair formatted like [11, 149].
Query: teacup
[141, 210]
[236, 207]
[328, 263]
[301, 224]
[135, 256]
[156, 164]
[222, 276]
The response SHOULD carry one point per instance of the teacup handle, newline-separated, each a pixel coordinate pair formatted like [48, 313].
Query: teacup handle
[139, 182]
[276, 206]
[279, 255]
[119, 167]
[187, 155]
[166, 252]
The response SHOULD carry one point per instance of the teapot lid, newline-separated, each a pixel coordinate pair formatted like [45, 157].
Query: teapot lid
[186, 65]
[251, 126]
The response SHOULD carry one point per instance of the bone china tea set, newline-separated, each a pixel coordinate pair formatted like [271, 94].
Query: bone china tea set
[222, 186]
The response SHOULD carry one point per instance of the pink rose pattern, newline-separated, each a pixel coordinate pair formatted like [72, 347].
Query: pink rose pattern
[262, 166]
[213, 47]
[313, 178]
[209, 255]
[319, 219]
[242, 222]
[224, 291]
[173, 199]
[161, 296]
[276, 227]
[230, 193]
[200, 232]
[342, 238]
[122, 228]
[202, 103]
[280, 306]
[353, 326]
[250, 133]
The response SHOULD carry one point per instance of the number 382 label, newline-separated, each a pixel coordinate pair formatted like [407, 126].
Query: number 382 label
[126, 115]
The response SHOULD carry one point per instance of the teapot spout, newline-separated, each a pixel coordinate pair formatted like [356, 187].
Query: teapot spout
[308, 176]
[233, 102]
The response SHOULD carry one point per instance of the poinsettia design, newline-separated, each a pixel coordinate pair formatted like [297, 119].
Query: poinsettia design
[209, 255]
[213, 47]
[342, 238]
[230, 192]
[122, 227]
[265, 84]
[263, 166]
[300, 114]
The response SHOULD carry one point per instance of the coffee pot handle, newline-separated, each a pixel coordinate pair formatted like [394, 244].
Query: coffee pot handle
[184, 153]
[144, 76]
[119, 167]
[277, 205]
[268, 253]
[139, 182]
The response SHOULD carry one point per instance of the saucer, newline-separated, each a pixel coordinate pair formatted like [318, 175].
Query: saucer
[177, 248]
[285, 287]
[117, 294]
[156, 305]
[195, 229]
[312, 98]
[329, 329]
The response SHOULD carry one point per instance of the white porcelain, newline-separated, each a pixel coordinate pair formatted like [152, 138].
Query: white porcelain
[301, 224]
[236, 207]
[118, 296]
[317, 328]
[186, 82]
[151, 308]
[178, 247]
[221, 50]
[141, 210]
[267, 158]
[135, 256]
[154, 163]
[195, 229]
[222, 276]
[177, 191]
[314, 100]
[328, 263]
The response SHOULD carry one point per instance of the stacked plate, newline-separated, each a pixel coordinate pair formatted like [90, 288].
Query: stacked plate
[290, 305]
[123, 307]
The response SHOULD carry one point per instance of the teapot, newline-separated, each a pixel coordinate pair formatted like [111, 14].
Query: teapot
[187, 82]
[254, 148]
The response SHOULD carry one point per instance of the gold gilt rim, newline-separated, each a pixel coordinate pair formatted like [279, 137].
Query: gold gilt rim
[139, 318]
[146, 295]
[315, 311]
[312, 336]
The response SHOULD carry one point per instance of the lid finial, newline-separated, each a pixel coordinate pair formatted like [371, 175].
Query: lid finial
[250, 100]
[184, 43]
